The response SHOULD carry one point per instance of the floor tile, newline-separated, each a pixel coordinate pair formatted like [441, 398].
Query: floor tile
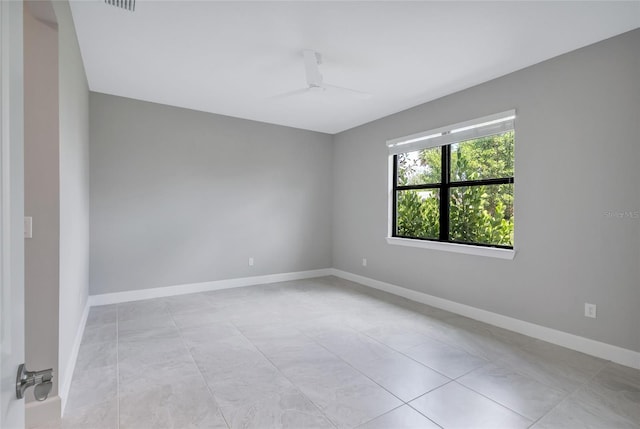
[353, 346]
[177, 405]
[553, 365]
[226, 355]
[142, 309]
[324, 368]
[134, 378]
[287, 408]
[400, 338]
[96, 355]
[348, 316]
[226, 297]
[271, 331]
[253, 383]
[153, 321]
[150, 352]
[455, 406]
[91, 387]
[100, 333]
[206, 335]
[345, 396]
[102, 315]
[149, 333]
[187, 303]
[518, 392]
[618, 387]
[584, 409]
[198, 318]
[328, 352]
[444, 358]
[403, 417]
[100, 416]
[351, 405]
[479, 339]
[291, 353]
[402, 376]
[284, 344]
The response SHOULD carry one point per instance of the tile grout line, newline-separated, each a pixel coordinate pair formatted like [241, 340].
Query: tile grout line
[505, 364]
[564, 399]
[367, 291]
[515, 370]
[356, 369]
[491, 399]
[420, 412]
[421, 363]
[390, 411]
[204, 380]
[281, 373]
[403, 402]
[361, 373]
[454, 380]
[375, 382]
[451, 380]
[400, 406]
[476, 369]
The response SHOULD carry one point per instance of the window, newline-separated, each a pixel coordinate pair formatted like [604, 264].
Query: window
[455, 184]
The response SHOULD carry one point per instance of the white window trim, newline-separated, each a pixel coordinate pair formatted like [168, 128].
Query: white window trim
[425, 140]
[469, 249]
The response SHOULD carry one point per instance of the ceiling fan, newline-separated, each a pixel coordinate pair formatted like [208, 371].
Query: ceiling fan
[315, 82]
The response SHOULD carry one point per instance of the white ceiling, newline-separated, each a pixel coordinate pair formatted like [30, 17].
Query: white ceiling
[231, 57]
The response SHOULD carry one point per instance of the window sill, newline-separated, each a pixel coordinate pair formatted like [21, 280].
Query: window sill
[491, 252]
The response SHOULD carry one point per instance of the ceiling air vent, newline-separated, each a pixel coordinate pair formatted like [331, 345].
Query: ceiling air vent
[129, 5]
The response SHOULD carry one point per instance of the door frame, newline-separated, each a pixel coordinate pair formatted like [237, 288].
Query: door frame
[11, 210]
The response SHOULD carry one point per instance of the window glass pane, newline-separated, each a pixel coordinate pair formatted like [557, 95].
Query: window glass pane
[484, 158]
[419, 167]
[418, 213]
[482, 214]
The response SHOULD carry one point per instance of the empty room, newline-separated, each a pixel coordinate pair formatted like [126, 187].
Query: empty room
[320, 214]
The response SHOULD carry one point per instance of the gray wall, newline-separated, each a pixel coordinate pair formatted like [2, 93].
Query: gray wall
[180, 196]
[577, 157]
[41, 190]
[74, 187]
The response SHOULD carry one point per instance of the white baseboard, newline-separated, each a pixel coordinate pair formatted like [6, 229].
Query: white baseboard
[585, 345]
[45, 413]
[65, 384]
[140, 294]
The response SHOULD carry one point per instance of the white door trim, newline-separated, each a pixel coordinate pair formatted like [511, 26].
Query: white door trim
[11, 209]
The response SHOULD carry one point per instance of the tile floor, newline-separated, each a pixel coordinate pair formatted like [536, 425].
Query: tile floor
[326, 353]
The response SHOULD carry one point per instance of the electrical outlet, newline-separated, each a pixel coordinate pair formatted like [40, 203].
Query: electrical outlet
[251, 261]
[364, 262]
[589, 310]
[28, 227]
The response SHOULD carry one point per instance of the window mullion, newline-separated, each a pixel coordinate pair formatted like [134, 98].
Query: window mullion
[394, 221]
[444, 192]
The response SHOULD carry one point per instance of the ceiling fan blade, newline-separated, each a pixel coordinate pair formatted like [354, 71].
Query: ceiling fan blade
[311, 66]
[348, 91]
[290, 93]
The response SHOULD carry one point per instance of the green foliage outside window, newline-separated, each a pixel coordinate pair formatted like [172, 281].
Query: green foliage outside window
[480, 214]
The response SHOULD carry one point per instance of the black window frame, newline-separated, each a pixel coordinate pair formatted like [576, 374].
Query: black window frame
[444, 188]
